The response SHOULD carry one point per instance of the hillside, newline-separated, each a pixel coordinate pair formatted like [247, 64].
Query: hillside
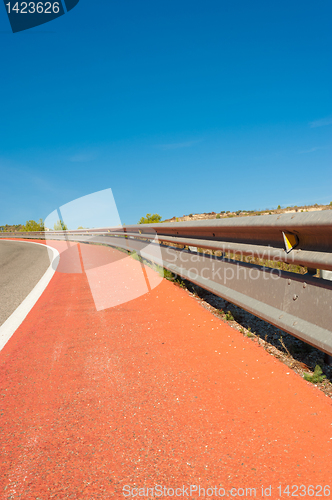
[244, 213]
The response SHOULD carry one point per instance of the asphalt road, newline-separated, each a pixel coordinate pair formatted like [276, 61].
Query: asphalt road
[21, 267]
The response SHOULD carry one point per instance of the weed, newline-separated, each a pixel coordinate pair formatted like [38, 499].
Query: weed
[249, 332]
[283, 345]
[180, 282]
[168, 275]
[229, 316]
[136, 256]
[316, 377]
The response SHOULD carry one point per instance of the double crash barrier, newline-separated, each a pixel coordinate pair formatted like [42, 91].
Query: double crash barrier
[248, 261]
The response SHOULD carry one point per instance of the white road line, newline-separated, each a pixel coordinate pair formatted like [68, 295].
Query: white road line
[17, 317]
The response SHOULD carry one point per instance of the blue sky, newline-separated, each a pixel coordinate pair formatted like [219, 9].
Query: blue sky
[178, 106]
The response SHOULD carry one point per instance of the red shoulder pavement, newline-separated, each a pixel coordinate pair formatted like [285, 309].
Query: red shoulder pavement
[155, 391]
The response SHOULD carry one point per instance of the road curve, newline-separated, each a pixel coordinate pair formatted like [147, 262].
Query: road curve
[155, 391]
[22, 265]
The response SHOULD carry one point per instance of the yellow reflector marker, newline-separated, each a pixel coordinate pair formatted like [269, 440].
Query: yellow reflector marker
[291, 241]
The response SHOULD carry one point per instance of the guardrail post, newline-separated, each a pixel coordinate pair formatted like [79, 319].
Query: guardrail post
[326, 275]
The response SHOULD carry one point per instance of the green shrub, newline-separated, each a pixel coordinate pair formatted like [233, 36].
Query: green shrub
[60, 226]
[32, 225]
[150, 219]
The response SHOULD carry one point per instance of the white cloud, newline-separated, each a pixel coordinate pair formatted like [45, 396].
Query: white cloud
[176, 145]
[312, 150]
[82, 157]
[321, 123]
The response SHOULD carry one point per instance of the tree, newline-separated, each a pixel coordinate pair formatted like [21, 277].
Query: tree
[32, 225]
[60, 226]
[150, 219]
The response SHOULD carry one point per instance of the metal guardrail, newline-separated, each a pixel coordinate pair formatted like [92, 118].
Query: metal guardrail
[300, 304]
